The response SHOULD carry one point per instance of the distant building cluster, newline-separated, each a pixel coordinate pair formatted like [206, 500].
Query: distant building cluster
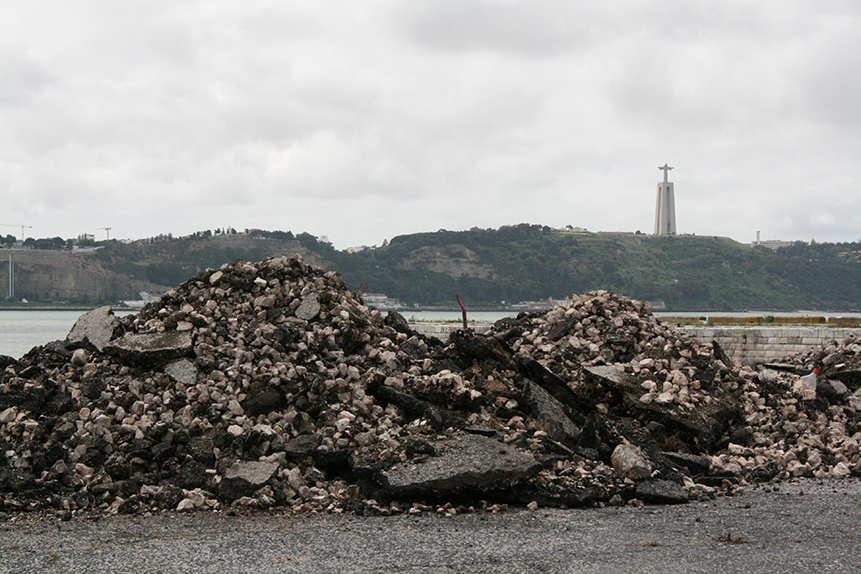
[356, 249]
[382, 302]
[772, 244]
[542, 305]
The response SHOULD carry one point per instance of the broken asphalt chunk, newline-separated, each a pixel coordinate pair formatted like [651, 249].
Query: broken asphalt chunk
[462, 462]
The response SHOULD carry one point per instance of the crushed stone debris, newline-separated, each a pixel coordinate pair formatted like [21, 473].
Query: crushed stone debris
[271, 385]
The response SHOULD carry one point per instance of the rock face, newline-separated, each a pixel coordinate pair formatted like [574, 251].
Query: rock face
[76, 277]
[271, 384]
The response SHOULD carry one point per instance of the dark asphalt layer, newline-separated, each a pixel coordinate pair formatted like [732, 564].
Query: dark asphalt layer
[810, 526]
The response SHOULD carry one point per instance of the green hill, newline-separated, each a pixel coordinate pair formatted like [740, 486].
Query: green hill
[529, 262]
[519, 263]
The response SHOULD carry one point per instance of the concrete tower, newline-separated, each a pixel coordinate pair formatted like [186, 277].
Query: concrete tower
[665, 210]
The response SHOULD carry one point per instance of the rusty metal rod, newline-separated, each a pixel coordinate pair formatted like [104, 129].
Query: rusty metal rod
[463, 309]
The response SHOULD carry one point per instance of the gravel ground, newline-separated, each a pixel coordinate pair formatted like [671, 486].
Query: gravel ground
[808, 526]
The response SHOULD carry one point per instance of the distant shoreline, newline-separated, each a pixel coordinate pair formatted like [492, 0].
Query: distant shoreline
[777, 317]
[81, 308]
[48, 308]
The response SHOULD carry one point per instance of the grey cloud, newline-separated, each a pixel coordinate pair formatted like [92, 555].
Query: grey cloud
[831, 75]
[537, 29]
[23, 78]
[362, 120]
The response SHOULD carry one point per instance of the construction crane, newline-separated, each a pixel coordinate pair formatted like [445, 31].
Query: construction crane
[22, 226]
[107, 233]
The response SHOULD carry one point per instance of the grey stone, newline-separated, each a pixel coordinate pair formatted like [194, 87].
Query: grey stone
[182, 371]
[117, 466]
[169, 496]
[263, 400]
[201, 448]
[464, 461]
[551, 414]
[151, 347]
[608, 374]
[302, 445]
[79, 357]
[96, 327]
[660, 492]
[16, 480]
[480, 347]
[308, 308]
[694, 463]
[243, 478]
[8, 415]
[397, 321]
[191, 475]
[832, 388]
[742, 435]
[629, 462]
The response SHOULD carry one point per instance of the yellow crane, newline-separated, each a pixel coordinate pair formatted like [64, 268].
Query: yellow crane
[107, 233]
[22, 226]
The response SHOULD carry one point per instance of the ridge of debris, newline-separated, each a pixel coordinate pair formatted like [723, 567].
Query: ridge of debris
[270, 384]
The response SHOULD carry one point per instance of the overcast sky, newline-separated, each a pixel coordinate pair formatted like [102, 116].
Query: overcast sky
[363, 120]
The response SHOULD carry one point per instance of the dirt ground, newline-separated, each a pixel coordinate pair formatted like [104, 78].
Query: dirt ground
[806, 526]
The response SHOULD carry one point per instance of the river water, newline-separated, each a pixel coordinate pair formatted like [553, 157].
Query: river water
[20, 331]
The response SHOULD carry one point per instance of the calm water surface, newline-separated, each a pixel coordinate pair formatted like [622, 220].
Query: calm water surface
[20, 331]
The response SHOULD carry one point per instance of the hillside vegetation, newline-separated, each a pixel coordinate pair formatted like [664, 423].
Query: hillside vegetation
[529, 262]
[511, 264]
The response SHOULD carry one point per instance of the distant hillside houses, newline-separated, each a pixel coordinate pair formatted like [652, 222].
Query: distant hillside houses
[357, 248]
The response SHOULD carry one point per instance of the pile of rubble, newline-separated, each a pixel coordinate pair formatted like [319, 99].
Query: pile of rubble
[271, 385]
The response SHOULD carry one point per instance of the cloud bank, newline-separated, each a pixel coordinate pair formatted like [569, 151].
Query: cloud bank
[365, 120]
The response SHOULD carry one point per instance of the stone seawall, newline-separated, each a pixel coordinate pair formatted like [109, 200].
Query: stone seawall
[764, 344]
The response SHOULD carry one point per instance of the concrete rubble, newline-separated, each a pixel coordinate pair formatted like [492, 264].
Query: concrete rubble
[270, 384]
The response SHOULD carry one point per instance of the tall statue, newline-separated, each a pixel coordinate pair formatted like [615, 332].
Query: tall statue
[665, 210]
